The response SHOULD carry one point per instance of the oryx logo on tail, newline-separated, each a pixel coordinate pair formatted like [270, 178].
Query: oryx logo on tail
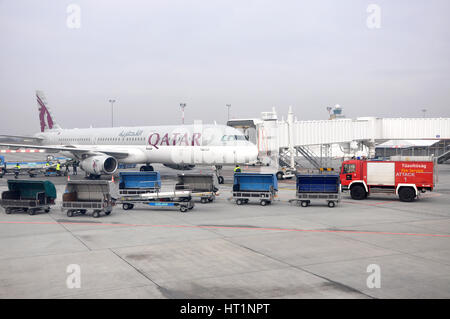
[45, 116]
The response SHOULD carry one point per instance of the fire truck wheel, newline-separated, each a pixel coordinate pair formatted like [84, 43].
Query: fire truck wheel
[406, 194]
[358, 192]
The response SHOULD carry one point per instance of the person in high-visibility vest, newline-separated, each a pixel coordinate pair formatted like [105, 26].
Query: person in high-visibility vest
[16, 170]
[237, 169]
[58, 168]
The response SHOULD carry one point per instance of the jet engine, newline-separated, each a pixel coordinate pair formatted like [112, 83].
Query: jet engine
[181, 167]
[98, 165]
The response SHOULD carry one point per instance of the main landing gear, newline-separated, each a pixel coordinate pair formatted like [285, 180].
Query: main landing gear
[147, 168]
[218, 171]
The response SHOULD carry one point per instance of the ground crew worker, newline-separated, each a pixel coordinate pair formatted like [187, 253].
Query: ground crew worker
[58, 168]
[67, 168]
[75, 165]
[237, 169]
[16, 170]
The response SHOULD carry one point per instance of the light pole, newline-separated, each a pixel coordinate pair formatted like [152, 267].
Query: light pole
[424, 111]
[112, 111]
[229, 107]
[182, 105]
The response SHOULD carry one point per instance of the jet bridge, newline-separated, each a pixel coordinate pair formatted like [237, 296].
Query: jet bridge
[283, 141]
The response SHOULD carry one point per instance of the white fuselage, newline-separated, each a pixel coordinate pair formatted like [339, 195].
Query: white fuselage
[185, 144]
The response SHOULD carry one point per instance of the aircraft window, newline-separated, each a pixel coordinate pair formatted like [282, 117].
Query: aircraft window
[349, 168]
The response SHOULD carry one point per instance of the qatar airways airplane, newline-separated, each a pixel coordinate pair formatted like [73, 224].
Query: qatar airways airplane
[100, 150]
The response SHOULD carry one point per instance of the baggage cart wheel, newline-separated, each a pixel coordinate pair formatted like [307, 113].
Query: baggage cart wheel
[8, 210]
[263, 203]
[331, 204]
[183, 209]
[47, 210]
[96, 214]
[203, 200]
[83, 212]
[239, 202]
[107, 213]
[69, 213]
[32, 211]
[127, 206]
[304, 203]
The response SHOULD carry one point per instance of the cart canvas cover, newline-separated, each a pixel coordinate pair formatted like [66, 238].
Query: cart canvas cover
[29, 189]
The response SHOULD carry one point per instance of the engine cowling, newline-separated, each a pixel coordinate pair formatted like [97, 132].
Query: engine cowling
[98, 165]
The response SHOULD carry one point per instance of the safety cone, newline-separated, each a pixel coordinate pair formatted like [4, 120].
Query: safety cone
[68, 177]
[112, 178]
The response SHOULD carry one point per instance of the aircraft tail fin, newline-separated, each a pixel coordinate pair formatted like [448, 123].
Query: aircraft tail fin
[45, 116]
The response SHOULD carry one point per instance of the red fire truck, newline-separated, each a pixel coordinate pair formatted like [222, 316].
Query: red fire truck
[403, 178]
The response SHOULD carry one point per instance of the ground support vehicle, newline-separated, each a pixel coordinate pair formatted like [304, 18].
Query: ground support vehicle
[259, 186]
[135, 183]
[407, 179]
[81, 197]
[317, 188]
[200, 185]
[28, 196]
[179, 199]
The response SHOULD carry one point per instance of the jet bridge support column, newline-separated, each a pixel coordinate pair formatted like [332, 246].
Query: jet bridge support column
[290, 121]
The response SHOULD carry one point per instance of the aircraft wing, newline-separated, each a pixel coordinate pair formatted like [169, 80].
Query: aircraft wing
[20, 137]
[74, 150]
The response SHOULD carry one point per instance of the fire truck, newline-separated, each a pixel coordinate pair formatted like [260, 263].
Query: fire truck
[407, 179]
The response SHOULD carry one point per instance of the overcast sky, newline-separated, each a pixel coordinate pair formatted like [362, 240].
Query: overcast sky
[252, 54]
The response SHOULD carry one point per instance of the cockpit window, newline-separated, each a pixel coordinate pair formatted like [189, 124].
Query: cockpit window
[227, 138]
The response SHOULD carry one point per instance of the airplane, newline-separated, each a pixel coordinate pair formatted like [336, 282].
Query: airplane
[100, 150]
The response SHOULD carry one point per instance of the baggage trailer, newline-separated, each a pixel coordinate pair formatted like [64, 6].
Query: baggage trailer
[179, 199]
[259, 186]
[28, 195]
[135, 183]
[320, 188]
[200, 185]
[407, 179]
[81, 197]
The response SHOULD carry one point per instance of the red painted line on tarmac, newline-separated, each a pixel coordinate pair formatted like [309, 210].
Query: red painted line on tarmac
[233, 227]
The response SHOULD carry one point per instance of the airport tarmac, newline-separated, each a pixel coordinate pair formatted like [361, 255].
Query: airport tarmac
[221, 250]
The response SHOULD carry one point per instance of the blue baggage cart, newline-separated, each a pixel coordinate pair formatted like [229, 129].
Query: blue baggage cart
[259, 186]
[323, 187]
[135, 183]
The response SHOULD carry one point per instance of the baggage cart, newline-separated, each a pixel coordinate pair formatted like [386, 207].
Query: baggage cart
[135, 183]
[178, 199]
[28, 196]
[81, 197]
[259, 186]
[200, 185]
[317, 188]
